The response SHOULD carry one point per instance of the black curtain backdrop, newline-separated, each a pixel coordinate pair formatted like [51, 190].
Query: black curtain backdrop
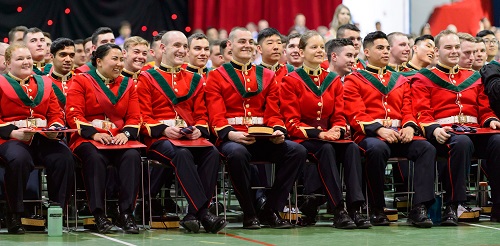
[87, 15]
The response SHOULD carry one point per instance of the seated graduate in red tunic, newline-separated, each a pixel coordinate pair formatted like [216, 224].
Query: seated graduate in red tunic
[313, 106]
[240, 95]
[63, 50]
[104, 107]
[173, 107]
[28, 102]
[378, 107]
[447, 95]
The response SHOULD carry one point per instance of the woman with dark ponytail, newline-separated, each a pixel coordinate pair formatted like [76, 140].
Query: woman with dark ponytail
[104, 106]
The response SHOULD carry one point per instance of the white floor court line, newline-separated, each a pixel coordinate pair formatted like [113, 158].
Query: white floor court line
[483, 226]
[112, 239]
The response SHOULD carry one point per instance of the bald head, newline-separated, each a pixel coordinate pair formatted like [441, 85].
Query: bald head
[170, 35]
[174, 45]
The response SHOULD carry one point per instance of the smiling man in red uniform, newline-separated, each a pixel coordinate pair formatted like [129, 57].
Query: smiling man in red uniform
[271, 49]
[378, 107]
[135, 52]
[198, 53]
[63, 51]
[171, 99]
[447, 95]
[239, 95]
[400, 51]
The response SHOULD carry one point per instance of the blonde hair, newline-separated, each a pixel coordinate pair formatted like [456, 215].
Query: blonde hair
[13, 47]
[335, 21]
[133, 41]
[463, 36]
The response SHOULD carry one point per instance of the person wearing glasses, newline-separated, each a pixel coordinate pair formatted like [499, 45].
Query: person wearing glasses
[352, 32]
[491, 43]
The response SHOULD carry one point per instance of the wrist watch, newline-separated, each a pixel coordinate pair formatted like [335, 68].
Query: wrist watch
[127, 134]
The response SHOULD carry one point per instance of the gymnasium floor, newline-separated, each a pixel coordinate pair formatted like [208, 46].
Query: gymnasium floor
[482, 233]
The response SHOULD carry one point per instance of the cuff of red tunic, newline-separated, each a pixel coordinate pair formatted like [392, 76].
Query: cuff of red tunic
[87, 131]
[6, 130]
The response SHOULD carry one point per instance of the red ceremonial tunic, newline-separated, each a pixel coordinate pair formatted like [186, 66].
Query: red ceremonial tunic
[358, 64]
[60, 85]
[374, 95]
[235, 91]
[169, 94]
[148, 66]
[89, 98]
[442, 92]
[84, 68]
[35, 99]
[311, 103]
[204, 71]
[280, 70]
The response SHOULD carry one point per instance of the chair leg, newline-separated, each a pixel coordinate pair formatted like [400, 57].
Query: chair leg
[224, 190]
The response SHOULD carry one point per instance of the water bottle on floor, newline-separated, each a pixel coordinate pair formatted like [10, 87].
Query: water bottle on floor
[55, 220]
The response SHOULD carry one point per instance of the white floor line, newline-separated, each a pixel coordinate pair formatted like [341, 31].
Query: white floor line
[112, 239]
[483, 226]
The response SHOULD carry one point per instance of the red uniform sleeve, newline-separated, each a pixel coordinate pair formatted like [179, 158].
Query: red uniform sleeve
[54, 115]
[290, 95]
[216, 106]
[355, 108]
[422, 109]
[272, 115]
[75, 108]
[338, 117]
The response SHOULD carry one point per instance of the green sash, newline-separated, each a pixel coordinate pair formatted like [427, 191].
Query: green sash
[444, 84]
[377, 84]
[312, 86]
[168, 90]
[259, 71]
[112, 98]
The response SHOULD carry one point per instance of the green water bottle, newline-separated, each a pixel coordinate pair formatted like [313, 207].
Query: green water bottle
[55, 220]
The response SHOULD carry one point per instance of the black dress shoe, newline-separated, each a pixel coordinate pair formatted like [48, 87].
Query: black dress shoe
[450, 217]
[190, 223]
[14, 225]
[212, 223]
[251, 222]
[418, 217]
[309, 210]
[341, 219]
[126, 221]
[378, 217]
[273, 219]
[360, 220]
[102, 223]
